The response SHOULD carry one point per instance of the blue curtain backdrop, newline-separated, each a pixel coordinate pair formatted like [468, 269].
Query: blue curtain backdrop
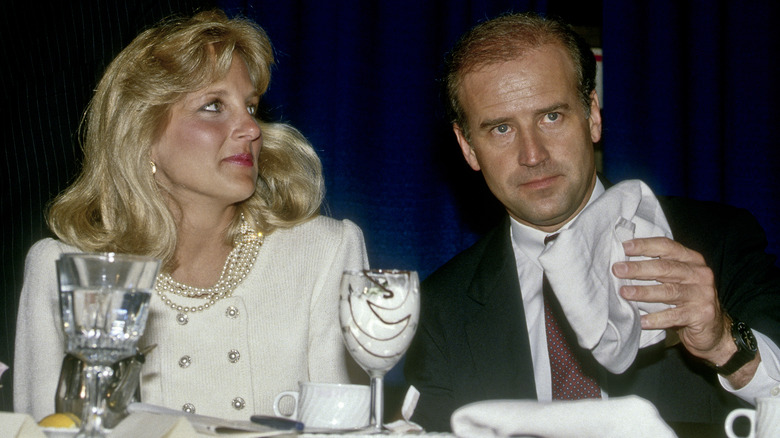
[692, 95]
[360, 79]
[690, 106]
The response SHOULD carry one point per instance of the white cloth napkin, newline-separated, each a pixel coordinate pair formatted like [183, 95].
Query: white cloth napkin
[149, 425]
[406, 425]
[620, 417]
[3, 369]
[578, 265]
[19, 426]
[200, 424]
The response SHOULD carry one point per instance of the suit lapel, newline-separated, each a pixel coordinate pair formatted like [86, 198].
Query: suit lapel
[496, 328]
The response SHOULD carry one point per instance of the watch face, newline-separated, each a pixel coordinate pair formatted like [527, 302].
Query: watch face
[747, 336]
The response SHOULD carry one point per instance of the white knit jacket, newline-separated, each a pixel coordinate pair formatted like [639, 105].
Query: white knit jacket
[286, 329]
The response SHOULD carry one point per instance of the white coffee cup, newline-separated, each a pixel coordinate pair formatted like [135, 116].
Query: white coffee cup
[764, 420]
[328, 405]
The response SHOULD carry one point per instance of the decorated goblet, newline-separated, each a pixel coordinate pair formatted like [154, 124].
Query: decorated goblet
[379, 311]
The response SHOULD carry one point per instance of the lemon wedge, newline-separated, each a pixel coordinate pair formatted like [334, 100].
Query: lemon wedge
[61, 420]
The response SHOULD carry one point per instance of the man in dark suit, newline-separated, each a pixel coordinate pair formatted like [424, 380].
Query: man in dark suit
[525, 113]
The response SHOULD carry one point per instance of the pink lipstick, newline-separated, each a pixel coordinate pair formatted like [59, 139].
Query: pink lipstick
[241, 160]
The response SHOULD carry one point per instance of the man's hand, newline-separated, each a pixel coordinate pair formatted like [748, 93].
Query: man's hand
[688, 284]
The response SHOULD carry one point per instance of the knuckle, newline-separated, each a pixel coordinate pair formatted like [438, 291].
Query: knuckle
[666, 266]
[671, 291]
[707, 275]
[676, 315]
[709, 313]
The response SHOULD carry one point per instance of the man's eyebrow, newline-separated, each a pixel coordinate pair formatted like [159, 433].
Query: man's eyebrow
[554, 107]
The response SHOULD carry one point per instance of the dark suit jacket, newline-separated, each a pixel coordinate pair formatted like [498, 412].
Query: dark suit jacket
[472, 342]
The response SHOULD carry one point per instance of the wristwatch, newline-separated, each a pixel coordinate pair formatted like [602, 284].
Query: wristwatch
[746, 348]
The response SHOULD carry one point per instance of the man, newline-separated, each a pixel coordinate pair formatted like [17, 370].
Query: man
[526, 115]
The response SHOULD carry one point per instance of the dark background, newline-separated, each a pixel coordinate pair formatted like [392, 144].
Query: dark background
[690, 106]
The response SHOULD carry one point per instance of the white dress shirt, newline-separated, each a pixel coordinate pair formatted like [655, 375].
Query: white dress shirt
[528, 244]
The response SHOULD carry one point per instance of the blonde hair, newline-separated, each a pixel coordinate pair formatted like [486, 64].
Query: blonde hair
[115, 203]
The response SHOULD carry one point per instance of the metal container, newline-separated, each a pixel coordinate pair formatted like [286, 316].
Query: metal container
[123, 387]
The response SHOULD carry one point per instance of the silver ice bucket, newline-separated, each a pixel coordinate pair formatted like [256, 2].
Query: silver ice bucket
[123, 388]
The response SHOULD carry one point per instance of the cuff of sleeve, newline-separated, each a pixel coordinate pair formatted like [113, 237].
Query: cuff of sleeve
[766, 381]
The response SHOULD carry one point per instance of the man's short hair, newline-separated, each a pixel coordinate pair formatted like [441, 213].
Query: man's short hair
[507, 38]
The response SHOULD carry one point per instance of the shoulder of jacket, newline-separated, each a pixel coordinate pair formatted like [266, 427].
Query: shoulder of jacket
[461, 268]
[47, 248]
[320, 228]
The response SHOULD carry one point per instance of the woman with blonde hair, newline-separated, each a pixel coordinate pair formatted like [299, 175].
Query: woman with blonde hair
[178, 167]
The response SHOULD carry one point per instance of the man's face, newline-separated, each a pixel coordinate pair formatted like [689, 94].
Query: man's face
[531, 137]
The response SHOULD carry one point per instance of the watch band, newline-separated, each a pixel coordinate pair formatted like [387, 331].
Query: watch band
[746, 349]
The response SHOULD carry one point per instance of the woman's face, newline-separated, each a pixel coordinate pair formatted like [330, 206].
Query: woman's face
[207, 154]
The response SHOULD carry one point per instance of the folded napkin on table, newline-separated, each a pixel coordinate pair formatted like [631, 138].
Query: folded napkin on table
[201, 425]
[151, 425]
[3, 369]
[578, 265]
[620, 417]
[19, 426]
[406, 425]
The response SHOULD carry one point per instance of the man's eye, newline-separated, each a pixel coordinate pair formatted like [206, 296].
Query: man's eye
[502, 129]
[552, 116]
[252, 109]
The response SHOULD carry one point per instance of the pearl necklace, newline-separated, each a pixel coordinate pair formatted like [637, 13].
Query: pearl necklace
[239, 262]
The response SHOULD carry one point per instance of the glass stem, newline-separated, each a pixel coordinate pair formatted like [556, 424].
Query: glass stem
[377, 404]
[96, 378]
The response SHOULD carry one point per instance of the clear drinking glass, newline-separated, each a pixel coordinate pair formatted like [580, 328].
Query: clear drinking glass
[379, 311]
[104, 300]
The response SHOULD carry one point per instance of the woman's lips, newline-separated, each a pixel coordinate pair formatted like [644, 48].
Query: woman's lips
[241, 160]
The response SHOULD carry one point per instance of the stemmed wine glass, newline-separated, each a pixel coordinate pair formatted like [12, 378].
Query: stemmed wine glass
[104, 300]
[379, 311]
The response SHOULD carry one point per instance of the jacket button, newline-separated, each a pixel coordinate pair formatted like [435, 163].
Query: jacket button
[232, 312]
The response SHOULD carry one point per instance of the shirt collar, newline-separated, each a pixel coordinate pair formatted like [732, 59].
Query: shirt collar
[530, 241]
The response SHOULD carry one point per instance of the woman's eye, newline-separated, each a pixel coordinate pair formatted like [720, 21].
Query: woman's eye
[252, 109]
[215, 106]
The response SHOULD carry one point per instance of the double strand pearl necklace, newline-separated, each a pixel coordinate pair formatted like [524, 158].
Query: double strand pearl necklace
[239, 262]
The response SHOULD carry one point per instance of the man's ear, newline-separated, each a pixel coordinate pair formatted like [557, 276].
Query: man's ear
[595, 117]
[465, 147]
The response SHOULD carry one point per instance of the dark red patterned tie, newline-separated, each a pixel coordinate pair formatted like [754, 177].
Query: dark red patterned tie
[569, 381]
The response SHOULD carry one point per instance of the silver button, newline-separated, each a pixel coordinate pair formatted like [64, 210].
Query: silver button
[188, 408]
[239, 403]
[233, 356]
[232, 312]
[185, 361]
[182, 318]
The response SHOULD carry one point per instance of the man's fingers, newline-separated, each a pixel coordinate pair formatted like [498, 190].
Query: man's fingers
[664, 271]
[661, 247]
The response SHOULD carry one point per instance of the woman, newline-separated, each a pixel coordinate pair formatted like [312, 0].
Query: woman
[176, 166]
